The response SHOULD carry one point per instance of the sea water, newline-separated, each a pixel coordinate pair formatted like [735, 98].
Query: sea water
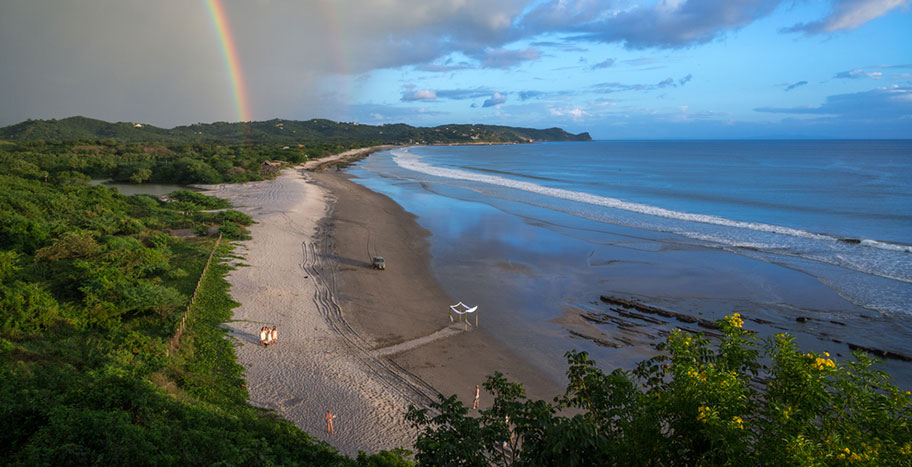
[838, 212]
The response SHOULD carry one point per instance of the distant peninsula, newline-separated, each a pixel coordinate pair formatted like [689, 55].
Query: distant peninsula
[279, 131]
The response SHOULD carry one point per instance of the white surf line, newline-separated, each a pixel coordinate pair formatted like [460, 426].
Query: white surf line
[409, 345]
[409, 161]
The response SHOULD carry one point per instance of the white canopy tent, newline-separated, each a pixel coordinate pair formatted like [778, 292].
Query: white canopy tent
[461, 309]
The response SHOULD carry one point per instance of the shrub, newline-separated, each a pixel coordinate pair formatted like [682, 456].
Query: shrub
[703, 403]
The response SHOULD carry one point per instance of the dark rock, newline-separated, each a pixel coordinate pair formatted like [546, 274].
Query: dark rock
[881, 353]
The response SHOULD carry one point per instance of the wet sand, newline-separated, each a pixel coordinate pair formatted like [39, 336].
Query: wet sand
[401, 312]
[365, 344]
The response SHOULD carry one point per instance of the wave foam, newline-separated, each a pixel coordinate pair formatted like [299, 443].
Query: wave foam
[411, 162]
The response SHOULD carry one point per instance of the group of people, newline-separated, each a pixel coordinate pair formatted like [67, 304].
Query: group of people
[268, 336]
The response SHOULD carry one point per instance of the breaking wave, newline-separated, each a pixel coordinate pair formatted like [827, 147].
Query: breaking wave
[409, 161]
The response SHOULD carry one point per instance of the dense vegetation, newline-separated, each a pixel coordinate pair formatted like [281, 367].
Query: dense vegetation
[92, 286]
[82, 160]
[78, 148]
[703, 403]
[284, 132]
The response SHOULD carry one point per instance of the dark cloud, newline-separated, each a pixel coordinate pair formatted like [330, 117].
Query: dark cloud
[496, 99]
[795, 85]
[877, 104]
[663, 24]
[604, 64]
[606, 88]
[847, 15]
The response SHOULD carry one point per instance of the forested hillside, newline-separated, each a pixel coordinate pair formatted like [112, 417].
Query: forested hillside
[286, 132]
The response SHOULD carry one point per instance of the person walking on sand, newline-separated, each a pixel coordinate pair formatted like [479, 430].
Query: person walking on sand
[263, 336]
[274, 335]
[329, 422]
[475, 404]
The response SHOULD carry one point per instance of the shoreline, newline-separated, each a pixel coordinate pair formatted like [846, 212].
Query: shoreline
[298, 273]
[402, 311]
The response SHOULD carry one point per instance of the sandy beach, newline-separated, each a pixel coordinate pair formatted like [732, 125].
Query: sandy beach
[362, 343]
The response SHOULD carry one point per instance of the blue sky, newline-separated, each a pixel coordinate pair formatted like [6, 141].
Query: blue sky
[617, 69]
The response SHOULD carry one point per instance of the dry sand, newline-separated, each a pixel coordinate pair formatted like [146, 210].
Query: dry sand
[363, 343]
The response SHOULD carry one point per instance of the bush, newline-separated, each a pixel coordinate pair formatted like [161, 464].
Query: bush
[199, 199]
[704, 403]
[232, 231]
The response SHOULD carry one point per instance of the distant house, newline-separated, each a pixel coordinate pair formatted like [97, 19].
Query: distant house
[270, 168]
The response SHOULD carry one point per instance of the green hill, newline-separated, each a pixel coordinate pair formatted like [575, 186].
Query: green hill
[277, 132]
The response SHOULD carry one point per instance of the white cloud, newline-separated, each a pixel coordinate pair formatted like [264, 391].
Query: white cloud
[495, 100]
[419, 95]
[575, 113]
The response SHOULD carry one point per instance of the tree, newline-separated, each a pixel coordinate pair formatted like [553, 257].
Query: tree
[703, 402]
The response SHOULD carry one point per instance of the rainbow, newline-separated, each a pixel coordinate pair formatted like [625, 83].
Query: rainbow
[232, 62]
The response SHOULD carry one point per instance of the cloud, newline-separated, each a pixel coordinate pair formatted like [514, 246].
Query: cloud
[847, 15]
[576, 113]
[526, 95]
[665, 24]
[864, 72]
[419, 95]
[795, 85]
[438, 68]
[562, 46]
[496, 99]
[605, 64]
[606, 88]
[507, 58]
[878, 104]
[461, 94]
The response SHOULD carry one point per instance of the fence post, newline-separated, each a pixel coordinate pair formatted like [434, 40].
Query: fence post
[175, 341]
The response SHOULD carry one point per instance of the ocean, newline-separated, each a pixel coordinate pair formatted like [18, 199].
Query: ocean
[779, 230]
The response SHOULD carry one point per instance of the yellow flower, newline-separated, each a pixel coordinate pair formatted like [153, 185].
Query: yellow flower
[826, 354]
[738, 422]
[823, 363]
[703, 413]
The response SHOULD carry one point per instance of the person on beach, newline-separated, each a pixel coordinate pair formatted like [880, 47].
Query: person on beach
[274, 335]
[475, 404]
[263, 340]
[329, 422]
